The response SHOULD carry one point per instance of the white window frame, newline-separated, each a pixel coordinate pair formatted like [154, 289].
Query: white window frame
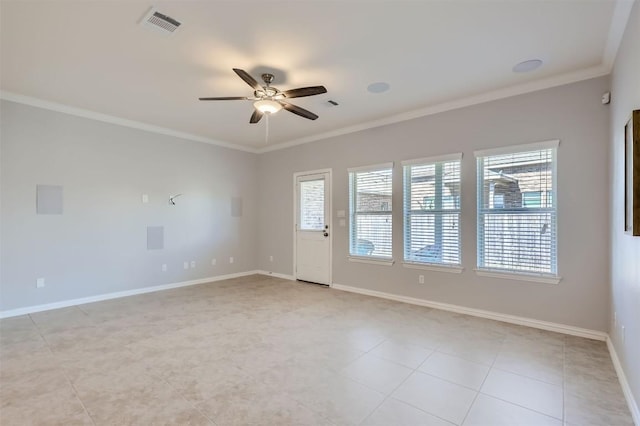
[549, 278]
[352, 172]
[406, 214]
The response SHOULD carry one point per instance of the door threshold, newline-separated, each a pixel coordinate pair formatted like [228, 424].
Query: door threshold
[311, 282]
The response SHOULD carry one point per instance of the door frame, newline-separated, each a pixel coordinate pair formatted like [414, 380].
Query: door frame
[328, 221]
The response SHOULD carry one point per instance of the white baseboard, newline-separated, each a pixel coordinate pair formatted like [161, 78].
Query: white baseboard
[529, 322]
[624, 384]
[277, 275]
[118, 294]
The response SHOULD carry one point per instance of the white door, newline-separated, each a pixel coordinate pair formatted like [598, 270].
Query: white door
[312, 230]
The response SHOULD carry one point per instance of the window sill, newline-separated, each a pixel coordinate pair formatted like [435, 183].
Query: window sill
[433, 267]
[518, 276]
[372, 260]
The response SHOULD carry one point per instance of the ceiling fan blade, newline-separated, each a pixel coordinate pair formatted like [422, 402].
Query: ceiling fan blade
[298, 111]
[225, 98]
[305, 91]
[255, 117]
[247, 78]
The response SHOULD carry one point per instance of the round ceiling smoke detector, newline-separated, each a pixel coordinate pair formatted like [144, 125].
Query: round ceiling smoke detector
[528, 66]
[379, 87]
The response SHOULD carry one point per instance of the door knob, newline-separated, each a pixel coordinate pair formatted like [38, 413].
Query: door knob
[326, 234]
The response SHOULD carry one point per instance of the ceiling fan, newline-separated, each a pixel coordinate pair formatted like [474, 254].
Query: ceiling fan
[269, 100]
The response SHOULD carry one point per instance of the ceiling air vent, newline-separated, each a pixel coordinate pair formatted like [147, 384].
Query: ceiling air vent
[160, 22]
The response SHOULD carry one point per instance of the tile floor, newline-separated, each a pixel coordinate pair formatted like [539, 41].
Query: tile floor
[264, 351]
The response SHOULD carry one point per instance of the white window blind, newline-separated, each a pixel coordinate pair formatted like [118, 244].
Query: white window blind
[517, 211]
[432, 211]
[370, 209]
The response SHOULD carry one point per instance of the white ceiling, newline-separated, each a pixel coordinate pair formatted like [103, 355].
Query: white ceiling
[93, 55]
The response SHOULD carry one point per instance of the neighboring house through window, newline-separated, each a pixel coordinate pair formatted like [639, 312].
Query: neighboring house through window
[432, 210]
[370, 211]
[517, 209]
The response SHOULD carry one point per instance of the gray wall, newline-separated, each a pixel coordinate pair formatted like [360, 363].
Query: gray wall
[571, 113]
[625, 250]
[99, 244]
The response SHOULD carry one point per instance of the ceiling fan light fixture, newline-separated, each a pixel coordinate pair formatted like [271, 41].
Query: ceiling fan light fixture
[267, 106]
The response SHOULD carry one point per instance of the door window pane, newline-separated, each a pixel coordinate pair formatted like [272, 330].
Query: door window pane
[312, 205]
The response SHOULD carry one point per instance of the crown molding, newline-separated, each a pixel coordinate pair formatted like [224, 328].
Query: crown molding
[520, 89]
[619, 20]
[105, 118]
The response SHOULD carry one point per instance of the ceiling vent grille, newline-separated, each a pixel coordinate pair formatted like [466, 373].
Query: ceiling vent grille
[160, 22]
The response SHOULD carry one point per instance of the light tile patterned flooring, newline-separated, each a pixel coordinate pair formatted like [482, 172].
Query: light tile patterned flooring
[263, 351]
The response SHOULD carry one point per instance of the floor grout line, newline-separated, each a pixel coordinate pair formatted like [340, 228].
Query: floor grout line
[482, 384]
[64, 372]
[389, 395]
[361, 322]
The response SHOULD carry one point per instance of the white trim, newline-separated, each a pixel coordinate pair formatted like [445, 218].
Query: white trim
[372, 168]
[312, 176]
[118, 294]
[434, 267]
[517, 276]
[517, 148]
[619, 21]
[624, 384]
[105, 118]
[436, 159]
[276, 275]
[372, 260]
[507, 92]
[296, 175]
[511, 319]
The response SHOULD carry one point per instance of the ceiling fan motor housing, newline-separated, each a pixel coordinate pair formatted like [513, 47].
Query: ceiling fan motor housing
[267, 78]
[270, 99]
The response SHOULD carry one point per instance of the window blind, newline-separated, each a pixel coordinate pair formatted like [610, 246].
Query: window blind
[432, 211]
[370, 208]
[517, 211]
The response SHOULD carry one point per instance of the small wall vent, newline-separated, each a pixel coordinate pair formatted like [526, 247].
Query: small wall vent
[160, 22]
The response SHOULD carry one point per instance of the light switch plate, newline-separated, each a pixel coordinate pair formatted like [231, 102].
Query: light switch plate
[40, 283]
[145, 198]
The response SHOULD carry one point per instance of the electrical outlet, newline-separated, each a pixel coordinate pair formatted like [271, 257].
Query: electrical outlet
[186, 265]
[270, 258]
[40, 283]
[231, 259]
[164, 267]
[213, 262]
[420, 279]
[622, 329]
[193, 263]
